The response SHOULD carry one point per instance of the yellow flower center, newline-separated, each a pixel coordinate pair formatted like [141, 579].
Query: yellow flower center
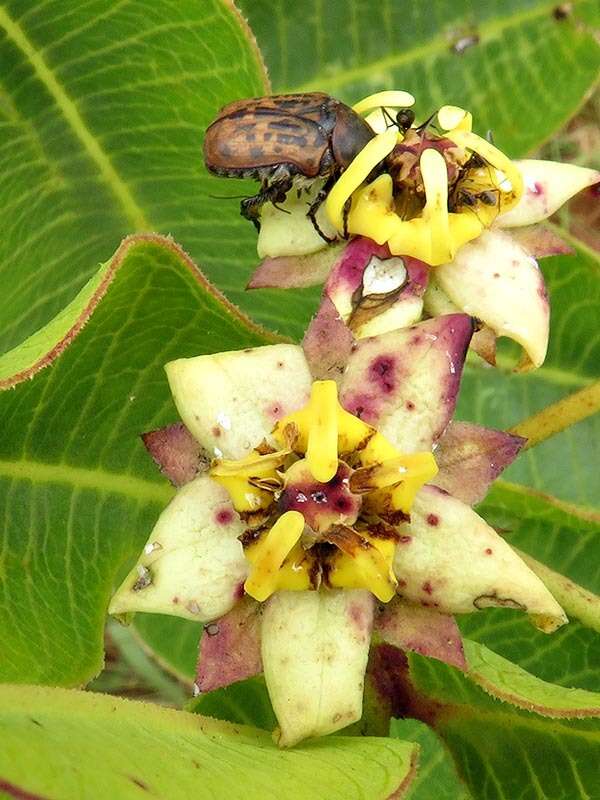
[441, 216]
[323, 508]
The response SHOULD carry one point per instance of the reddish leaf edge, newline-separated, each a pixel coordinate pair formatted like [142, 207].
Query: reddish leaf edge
[116, 262]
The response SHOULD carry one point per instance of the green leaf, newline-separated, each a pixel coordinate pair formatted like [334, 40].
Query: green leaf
[102, 112]
[436, 776]
[522, 72]
[502, 753]
[245, 702]
[173, 641]
[59, 743]
[506, 681]
[78, 491]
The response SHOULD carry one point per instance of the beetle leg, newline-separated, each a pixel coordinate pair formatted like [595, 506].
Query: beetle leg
[316, 204]
[345, 213]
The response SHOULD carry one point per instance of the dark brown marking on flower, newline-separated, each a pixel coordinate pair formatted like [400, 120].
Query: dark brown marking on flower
[410, 406]
[402, 583]
[487, 600]
[216, 431]
[488, 551]
[143, 581]
[382, 530]
[404, 539]
[264, 448]
[427, 587]
[250, 535]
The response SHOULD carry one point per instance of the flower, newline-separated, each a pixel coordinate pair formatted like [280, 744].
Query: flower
[433, 225]
[299, 513]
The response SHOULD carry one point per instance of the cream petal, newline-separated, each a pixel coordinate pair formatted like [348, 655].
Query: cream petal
[548, 184]
[375, 292]
[289, 232]
[231, 401]
[451, 560]
[497, 281]
[315, 647]
[193, 564]
[405, 382]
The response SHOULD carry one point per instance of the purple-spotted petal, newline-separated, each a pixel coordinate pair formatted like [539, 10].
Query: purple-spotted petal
[471, 457]
[231, 401]
[449, 559]
[548, 185]
[230, 648]
[327, 343]
[422, 630]
[497, 281]
[315, 647]
[295, 272]
[405, 382]
[176, 452]
[193, 563]
[373, 291]
[540, 241]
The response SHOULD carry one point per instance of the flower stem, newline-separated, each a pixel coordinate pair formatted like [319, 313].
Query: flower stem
[558, 416]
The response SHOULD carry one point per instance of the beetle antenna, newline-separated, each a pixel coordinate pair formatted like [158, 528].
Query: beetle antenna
[227, 196]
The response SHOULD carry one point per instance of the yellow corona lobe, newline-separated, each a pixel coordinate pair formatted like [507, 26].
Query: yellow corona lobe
[369, 157]
[391, 98]
[271, 553]
[323, 433]
[322, 447]
[368, 567]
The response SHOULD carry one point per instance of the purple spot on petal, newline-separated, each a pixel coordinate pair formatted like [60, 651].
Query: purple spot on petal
[537, 188]
[382, 370]
[433, 520]
[224, 516]
[427, 587]
[404, 540]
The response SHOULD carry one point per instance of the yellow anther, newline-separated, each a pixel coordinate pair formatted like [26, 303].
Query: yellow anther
[249, 479]
[366, 566]
[414, 468]
[251, 465]
[369, 157]
[378, 449]
[389, 98]
[453, 117]
[271, 552]
[322, 445]
[351, 431]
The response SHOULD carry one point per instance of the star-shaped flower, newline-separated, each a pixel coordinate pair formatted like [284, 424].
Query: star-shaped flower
[429, 209]
[298, 513]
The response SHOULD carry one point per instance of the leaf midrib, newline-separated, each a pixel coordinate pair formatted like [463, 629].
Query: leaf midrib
[38, 472]
[135, 215]
[160, 493]
[434, 46]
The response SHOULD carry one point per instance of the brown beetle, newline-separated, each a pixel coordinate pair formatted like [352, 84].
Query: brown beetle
[282, 139]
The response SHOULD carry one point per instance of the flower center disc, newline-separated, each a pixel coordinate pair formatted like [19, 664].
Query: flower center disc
[321, 504]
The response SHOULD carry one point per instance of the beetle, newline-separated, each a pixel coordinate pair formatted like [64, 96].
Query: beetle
[285, 140]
